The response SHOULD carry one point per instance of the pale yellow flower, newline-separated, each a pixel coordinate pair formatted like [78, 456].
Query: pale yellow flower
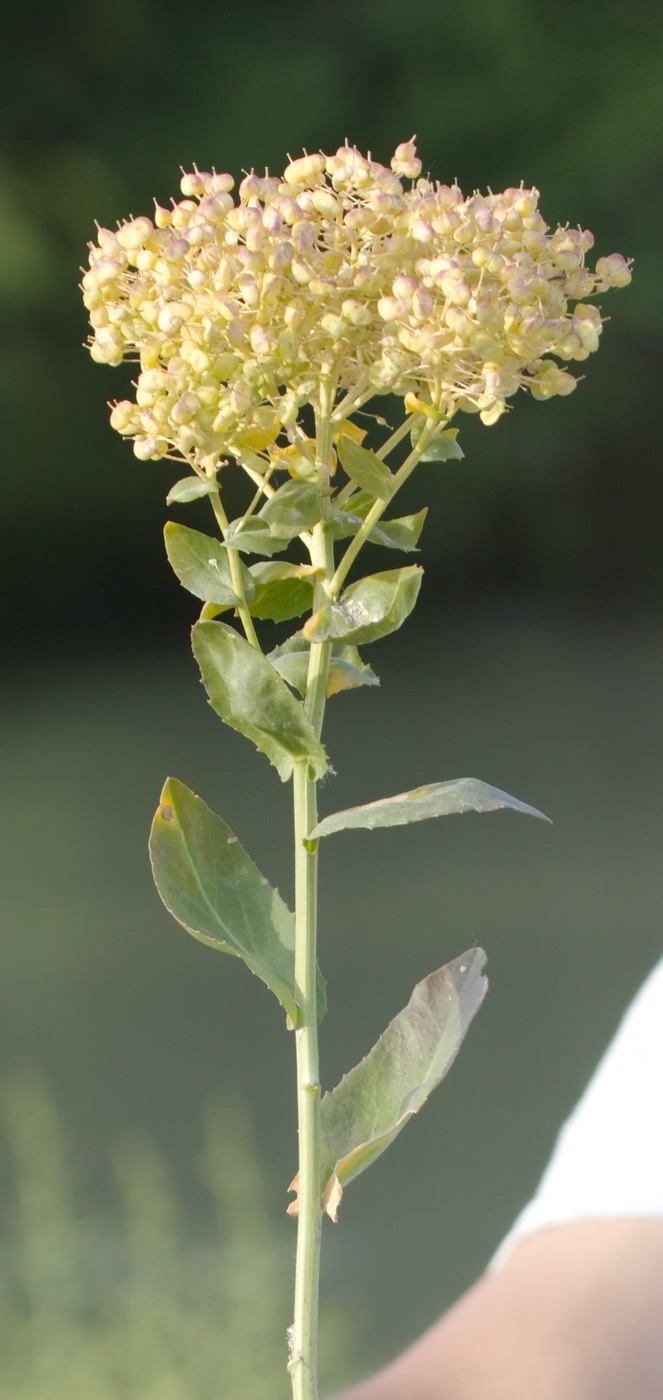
[236, 312]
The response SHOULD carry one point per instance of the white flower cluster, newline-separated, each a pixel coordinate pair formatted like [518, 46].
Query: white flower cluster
[336, 270]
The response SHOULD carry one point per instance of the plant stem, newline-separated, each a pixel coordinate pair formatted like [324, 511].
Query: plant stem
[235, 574]
[303, 1337]
[303, 1364]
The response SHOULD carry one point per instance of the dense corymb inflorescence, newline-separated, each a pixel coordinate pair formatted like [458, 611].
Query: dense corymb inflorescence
[335, 272]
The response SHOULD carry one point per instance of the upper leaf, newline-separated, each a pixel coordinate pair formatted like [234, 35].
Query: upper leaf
[211, 886]
[248, 694]
[370, 1105]
[401, 533]
[202, 565]
[347, 671]
[371, 608]
[282, 590]
[434, 800]
[251, 535]
[189, 488]
[365, 468]
[442, 448]
[295, 507]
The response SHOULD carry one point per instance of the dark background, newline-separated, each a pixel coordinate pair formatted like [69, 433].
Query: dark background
[535, 661]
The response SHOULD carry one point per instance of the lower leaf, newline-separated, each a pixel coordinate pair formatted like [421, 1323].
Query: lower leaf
[373, 1102]
[212, 887]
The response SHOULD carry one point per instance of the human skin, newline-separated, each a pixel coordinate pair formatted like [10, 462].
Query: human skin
[574, 1313]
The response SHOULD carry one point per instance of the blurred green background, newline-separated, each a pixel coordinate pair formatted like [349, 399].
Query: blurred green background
[535, 662]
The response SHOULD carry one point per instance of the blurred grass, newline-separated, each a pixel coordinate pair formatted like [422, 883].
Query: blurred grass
[140, 1306]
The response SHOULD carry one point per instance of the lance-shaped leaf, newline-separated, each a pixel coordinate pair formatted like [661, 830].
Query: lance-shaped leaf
[253, 536]
[202, 565]
[371, 608]
[296, 506]
[442, 448]
[401, 533]
[247, 694]
[211, 886]
[365, 468]
[434, 800]
[189, 488]
[373, 1102]
[347, 671]
[282, 590]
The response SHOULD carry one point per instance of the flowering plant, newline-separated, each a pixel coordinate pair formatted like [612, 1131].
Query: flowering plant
[261, 329]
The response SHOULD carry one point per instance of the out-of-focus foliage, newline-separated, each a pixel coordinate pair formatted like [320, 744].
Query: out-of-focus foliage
[103, 103]
[114, 1310]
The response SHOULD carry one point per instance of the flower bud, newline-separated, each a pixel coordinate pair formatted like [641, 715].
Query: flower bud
[614, 270]
[194, 183]
[240, 396]
[405, 161]
[134, 234]
[356, 312]
[294, 314]
[335, 326]
[150, 449]
[305, 171]
[326, 204]
[186, 408]
[182, 212]
[123, 416]
[219, 184]
[260, 341]
[422, 304]
[172, 315]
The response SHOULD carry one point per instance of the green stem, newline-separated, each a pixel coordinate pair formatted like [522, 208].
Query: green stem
[235, 574]
[303, 1337]
[377, 510]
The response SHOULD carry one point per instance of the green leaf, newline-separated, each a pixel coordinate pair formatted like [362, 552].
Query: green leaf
[253, 536]
[347, 671]
[434, 800]
[202, 565]
[371, 1104]
[189, 488]
[295, 507]
[282, 590]
[211, 886]
[371, 608]
[442, 448]
[365, 468]
[248, 695]
[401, 533]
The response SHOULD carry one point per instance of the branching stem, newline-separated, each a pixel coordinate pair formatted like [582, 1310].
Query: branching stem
[235, 574]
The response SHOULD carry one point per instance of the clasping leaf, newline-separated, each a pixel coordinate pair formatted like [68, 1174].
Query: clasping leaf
[190, 488]
[371, 608]
[365, 468]
[211, 886]
[202, 565]
[373, 1102]
[434, 800]
[282, 590]
[295, 507]
[347, 671]
[247, 694]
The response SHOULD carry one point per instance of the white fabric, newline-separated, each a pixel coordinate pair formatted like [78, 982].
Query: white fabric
[608, 1158]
